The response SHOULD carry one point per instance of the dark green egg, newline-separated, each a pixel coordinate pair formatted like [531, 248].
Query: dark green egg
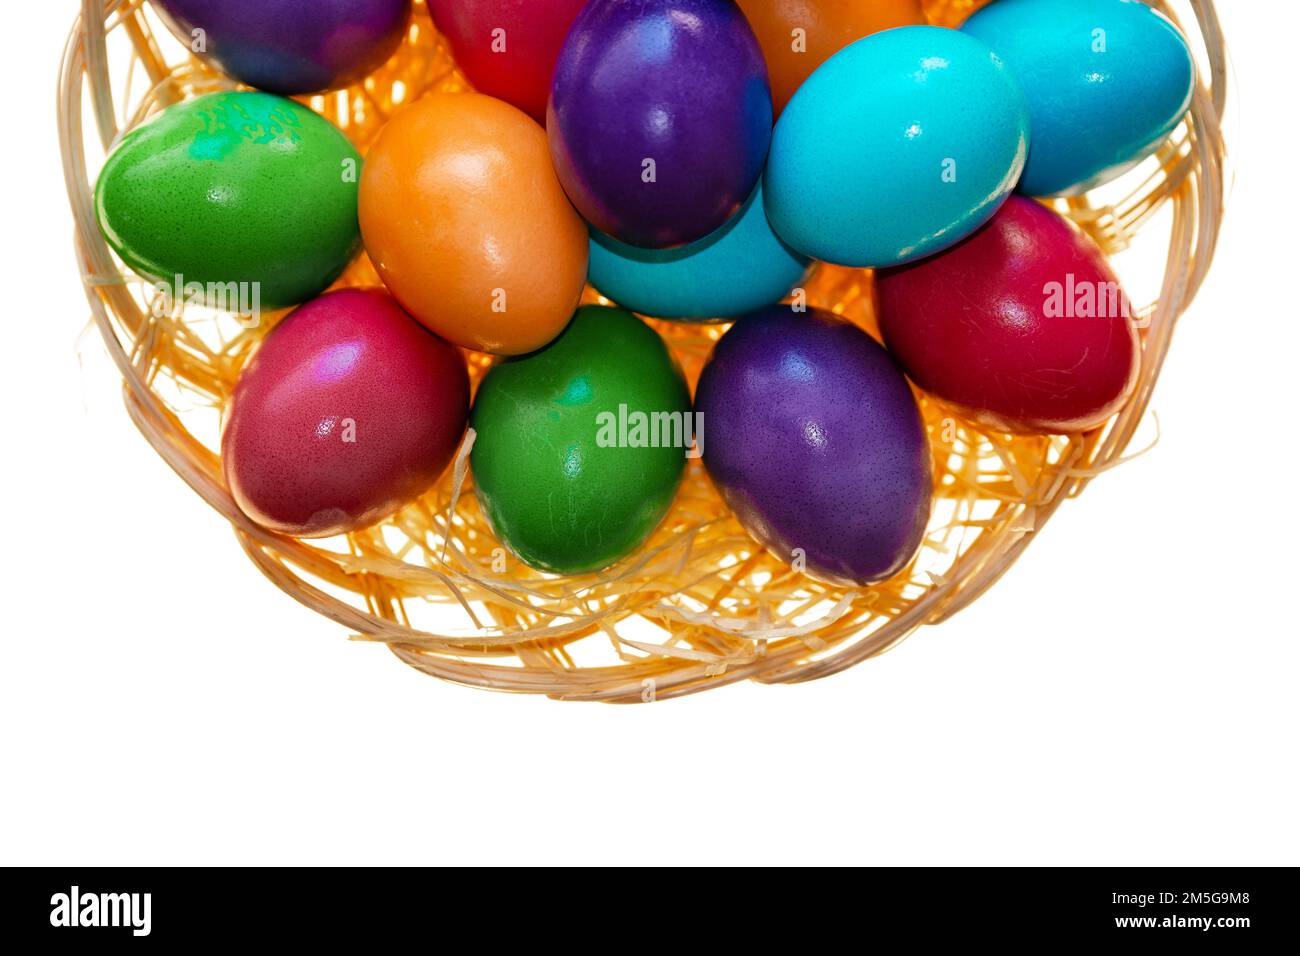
[581, 444]
[237, 187]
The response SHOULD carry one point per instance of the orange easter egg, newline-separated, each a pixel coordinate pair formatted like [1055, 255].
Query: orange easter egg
[468, 226]
[797, 36]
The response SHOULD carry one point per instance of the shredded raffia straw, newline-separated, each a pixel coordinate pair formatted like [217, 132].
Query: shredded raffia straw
[699, 605]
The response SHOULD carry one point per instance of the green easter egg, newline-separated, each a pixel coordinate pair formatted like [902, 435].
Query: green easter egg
[581, 444]
[238, 187]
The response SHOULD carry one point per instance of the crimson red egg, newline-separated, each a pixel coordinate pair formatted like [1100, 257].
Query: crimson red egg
[1023, 325]
[349, 410]
[507, 48]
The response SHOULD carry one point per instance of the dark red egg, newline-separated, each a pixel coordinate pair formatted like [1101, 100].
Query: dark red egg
[1023, 325]
[349, 410]
[507, 48]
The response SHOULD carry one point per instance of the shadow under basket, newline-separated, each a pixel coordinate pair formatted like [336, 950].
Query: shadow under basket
[699, 605]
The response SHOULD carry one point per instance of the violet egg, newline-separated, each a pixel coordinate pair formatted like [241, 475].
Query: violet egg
[660, 117]
[290, 46]
[349, 410]
[814, 439]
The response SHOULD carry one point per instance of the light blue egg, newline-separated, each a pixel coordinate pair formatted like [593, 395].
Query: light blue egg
[737, 268]
[896, 147]
[1107, 81]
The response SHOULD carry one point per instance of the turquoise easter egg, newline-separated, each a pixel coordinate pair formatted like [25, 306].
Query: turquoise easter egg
[739, 267]
[1107, 82]
[896, 147]
[238, 195]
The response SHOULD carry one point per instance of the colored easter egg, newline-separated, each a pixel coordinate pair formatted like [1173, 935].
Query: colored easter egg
[738, 268]
[468, 226]
[580, 446]
[896, 147]
[1023, 326]
[507, 48]
[238, 187]
[660, 117]
[290, 46]
[349, 410]
[797, 36]
[813, 437]
[1107, 82]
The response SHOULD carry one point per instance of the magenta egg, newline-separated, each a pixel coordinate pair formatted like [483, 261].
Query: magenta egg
[349, 410]
[1023, 325]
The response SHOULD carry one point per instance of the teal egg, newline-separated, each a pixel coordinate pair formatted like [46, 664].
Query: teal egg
[1107, 82]
[895, 148]
[740, 267]
[242, 194]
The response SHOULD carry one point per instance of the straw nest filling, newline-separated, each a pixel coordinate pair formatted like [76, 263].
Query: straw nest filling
[699, 605]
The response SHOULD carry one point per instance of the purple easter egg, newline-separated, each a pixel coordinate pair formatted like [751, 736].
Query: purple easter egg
[814, 439]
[660, 117]
[290, 46]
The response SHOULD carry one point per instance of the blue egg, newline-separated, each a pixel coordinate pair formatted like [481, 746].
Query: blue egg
[895, 148]
[1107, 82]
[737, 268]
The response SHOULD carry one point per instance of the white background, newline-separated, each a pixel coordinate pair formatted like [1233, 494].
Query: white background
[1127, 694]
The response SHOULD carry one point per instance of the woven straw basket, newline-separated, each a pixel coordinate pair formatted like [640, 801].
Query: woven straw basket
[699, 605]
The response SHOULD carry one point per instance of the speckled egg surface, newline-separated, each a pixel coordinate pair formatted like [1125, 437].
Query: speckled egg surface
[568, 463]
[896, 147]
[240, 187]
[1107, 81]
[290, 46]
[349, 410]
[736, 269]
[814, 439]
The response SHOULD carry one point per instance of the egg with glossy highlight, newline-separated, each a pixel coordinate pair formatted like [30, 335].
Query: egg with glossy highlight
[896, 147]
[1023, 325]
[240, 188]
[581, 445]
[738, 268]
[660, 117]
[814, 439]
[466, 223]
[346, 412]
[1107, 81]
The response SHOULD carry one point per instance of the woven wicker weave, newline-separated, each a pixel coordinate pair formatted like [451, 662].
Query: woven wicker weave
[699, 605]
